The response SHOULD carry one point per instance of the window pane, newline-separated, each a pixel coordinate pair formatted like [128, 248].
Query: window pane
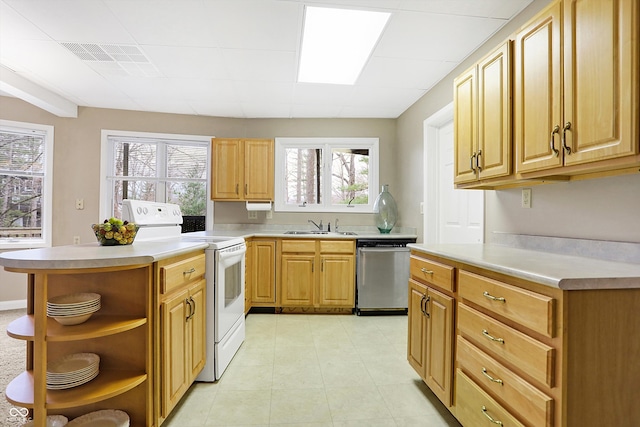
[191, 196]
[303, 176]
[135, 159]
[350, 176]
[186, 161]
[136, 190]
[21, 184]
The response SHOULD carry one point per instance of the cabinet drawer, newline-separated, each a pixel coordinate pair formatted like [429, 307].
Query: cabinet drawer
[532, 356]
[526, 400]
[299, 246]
[337, 246]
[432, 272]
[476, 408]
[530, 309]
[175, 275]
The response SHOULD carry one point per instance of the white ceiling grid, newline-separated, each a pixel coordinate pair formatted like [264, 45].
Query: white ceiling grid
[237, 58]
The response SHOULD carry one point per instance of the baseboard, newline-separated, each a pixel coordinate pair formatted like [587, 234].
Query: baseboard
[13, 305]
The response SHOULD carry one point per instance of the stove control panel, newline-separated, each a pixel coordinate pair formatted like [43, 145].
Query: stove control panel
[151, 213]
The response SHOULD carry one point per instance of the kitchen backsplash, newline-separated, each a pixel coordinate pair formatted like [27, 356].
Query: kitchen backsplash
[600, 249]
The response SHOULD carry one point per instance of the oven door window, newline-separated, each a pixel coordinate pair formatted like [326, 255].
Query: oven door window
[232, 283]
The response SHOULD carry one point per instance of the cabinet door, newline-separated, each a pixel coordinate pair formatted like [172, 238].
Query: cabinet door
[197, 329]
[600, 79]
[174, 313]
[227, 169]
[263, 274]
[337, 280]
[259, 169]
[297, 280]
[416, 350]
[538, 93]
[439, 363]
[494, 114]
[248, 276]
[465, 126]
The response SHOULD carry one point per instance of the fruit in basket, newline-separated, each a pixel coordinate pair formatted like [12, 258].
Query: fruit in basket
[114, 231]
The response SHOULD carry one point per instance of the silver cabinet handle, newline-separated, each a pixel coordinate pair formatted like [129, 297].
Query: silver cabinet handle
[189, 271]
[425, 271]
[473, 157]
[552, 142]
[492, 298]
[495, 380]
[486, 334]
[478, 161]
[567, 149]
[486, 414]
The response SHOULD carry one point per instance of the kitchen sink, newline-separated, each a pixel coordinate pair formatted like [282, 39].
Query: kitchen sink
[346, 233]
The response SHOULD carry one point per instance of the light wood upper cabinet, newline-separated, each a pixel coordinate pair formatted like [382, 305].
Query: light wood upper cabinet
[242, 169]
[482, 118]
[592, 114]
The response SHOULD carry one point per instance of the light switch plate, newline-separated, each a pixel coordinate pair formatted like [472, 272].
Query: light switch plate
[526, 198]
[253, 214]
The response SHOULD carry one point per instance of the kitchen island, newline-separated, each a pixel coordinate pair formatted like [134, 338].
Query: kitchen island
[125, 332]
[522, 337]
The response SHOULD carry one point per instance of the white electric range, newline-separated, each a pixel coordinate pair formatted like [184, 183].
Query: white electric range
[225, 271]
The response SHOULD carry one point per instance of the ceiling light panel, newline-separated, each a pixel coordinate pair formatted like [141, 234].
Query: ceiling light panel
[336, 43]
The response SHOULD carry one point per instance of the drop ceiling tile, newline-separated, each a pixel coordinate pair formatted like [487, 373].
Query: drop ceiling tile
[404, 72]
[256, 24]
[315, 110]
[263, 92]
[217, 108]
[389, 97]
[260, 65]
[74, 20]
[188, 62]
[15, 26]
[503, 9]
[166, 22]
[269, 109]
[434, 37]
[322, 94]
[372, 112]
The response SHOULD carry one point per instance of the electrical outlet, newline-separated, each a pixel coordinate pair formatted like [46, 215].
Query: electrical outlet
[79, 204]
[421, 208]
[526, 198]
[269, 214]
[76, 240]
[253, 214]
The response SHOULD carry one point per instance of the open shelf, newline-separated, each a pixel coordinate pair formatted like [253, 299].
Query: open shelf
[107, 384]
[98, 325]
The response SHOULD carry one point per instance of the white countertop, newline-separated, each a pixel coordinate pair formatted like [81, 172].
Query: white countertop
[92, 255]
[560, 271]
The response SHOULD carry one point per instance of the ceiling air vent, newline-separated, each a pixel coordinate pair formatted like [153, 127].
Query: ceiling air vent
[114, 59]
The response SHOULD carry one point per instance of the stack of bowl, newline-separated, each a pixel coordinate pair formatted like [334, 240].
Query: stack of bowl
[73, 309]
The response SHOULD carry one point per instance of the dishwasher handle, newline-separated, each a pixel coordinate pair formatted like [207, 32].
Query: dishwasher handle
[385, 249]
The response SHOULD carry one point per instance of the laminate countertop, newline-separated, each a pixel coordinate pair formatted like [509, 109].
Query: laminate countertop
[566, 272]
[92, 255]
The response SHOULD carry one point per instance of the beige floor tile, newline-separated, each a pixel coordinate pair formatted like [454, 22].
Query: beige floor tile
[299, 406]
[238, 407]
[356, 403]
[385, 422]
[408, 400]
[345, 374]
[295, 355]
[251, 355]
[255, 377]
[297, 376]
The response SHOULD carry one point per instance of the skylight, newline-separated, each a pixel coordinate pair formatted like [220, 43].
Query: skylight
[336, 43]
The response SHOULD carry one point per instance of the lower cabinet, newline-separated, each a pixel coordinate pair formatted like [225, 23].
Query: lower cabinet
[182, 339]
[263, 273]
[317, 273]
[430, 342]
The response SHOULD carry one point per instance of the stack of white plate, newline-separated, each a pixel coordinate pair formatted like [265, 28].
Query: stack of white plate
[72, 370]
[73, 309]
[103, 418]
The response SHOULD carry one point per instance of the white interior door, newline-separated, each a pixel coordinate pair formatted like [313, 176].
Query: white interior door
[451, 216]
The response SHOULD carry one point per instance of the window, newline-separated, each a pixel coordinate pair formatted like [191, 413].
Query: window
[326, 174]
[26, 168]
[155, 167]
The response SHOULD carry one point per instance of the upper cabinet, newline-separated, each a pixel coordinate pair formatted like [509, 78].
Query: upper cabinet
[242, 169]
[576, 88]
[482, 119]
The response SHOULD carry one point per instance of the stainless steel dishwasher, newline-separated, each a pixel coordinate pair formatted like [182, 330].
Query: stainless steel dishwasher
[382, 276]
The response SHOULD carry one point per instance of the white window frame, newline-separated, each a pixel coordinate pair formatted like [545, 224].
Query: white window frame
[47, 194]
[326, 144]
[106, 166]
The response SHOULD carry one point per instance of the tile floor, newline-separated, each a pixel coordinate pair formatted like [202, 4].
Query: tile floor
[316, 370]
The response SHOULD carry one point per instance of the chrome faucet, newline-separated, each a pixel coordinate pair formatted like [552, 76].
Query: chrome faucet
[318, 226]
